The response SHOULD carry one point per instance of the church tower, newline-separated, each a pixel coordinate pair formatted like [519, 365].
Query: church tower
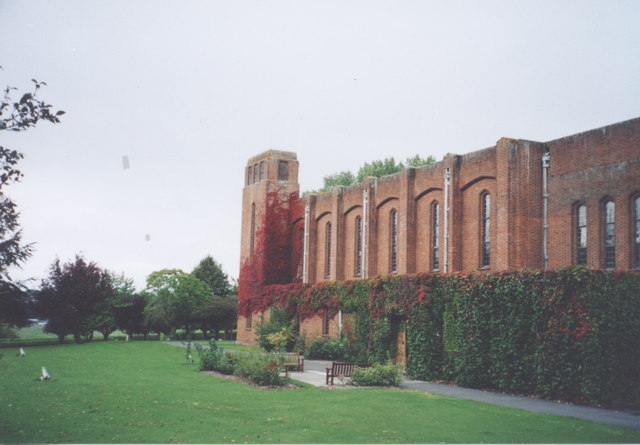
[270, 204]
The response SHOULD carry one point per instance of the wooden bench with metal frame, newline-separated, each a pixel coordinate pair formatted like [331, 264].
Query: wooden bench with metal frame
[342, 369]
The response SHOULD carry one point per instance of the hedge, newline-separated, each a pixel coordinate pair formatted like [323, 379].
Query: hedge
[572, 334]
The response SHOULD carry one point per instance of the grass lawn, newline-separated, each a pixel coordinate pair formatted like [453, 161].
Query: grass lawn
[106, 392]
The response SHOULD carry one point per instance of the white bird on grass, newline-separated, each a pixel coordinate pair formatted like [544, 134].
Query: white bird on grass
[22, 353]
[45, 374]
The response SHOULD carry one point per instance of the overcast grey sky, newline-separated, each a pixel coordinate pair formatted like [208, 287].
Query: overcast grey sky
[190, 89]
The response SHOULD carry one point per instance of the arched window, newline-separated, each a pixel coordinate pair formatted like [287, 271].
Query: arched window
[581, 235]
[358, 247]
[327, 251]
[252, 242]
[485, 230]
[636, 208]
[435, 242]
[393, 241]
[609, 235]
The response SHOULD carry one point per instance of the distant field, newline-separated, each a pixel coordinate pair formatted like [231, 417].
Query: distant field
[119, 392]
[35, 335]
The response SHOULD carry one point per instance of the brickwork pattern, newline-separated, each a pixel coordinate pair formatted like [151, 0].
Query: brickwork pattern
[587, 168]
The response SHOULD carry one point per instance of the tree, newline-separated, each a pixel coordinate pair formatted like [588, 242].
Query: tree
[210, 271]
[128, 306]
[344, 178]
[174, 300]
[377, 169]
[16, 115]
[72, 298]
[219, 314]
[14, 303]
[417, 161]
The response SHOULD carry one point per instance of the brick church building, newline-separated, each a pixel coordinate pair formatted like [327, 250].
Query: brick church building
[517, 205]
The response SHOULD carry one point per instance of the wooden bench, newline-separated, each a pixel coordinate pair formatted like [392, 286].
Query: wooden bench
[293, 360]
[341, 369]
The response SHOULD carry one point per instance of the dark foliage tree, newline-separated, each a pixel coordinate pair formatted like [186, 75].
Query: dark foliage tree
[219, 315]
[72, 298]
[14, 303]
[174, 300]
[128, 306]
[129, 315]
[210, 271]
[16, 115]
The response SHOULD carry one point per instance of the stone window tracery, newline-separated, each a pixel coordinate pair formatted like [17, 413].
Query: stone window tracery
[485, 230]
[609, 235]
[435, 242]
[581, 235]
[327, 251]
[393, 241]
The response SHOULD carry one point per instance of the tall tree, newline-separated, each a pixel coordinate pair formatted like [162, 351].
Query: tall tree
[14, 304]
[128, 306]
[210, 271]
[72, 296]
[16, 115]
[175, 300]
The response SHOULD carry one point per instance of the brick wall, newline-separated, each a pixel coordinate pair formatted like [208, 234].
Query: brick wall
[587, 168]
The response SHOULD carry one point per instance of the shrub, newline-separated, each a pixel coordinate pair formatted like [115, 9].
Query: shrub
[280, 325]
[262, 369]
[214, 359]
[327, 349]
[377, 375]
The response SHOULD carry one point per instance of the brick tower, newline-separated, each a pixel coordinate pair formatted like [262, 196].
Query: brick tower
[269, 199]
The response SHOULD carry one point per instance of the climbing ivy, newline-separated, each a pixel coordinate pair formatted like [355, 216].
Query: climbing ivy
[572, 334]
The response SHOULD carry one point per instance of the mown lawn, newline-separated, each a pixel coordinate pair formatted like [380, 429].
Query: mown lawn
[118, 392]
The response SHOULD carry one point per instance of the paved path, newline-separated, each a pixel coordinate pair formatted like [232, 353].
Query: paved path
[314, 374]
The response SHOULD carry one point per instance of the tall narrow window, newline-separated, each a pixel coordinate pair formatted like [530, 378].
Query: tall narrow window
[327, 251]
[325, 323]
[252, 241]
[283, 171]
[581, 235]
[301, 244]
[393, 241]
[255, 173]
[609, 235]
[358, 247]
[636, 205]
[261, 170]
[249, 175]
[249, 321]
[435, 242]
[485, 232]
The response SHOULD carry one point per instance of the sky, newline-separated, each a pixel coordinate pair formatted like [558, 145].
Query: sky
[189, 90]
